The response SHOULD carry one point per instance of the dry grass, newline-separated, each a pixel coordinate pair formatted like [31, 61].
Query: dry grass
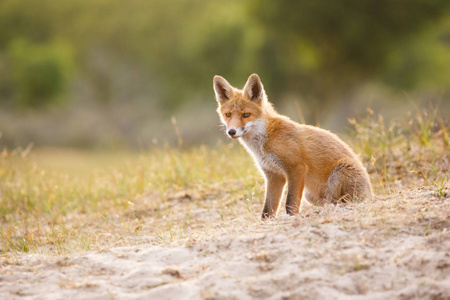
[409, 152]
[66, 201]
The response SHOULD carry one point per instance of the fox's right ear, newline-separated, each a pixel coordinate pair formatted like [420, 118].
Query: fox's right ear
[222, 89]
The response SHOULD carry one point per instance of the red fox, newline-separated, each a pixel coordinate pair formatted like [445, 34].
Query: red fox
[313, 162]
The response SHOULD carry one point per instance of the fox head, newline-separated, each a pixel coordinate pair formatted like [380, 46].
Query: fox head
[240, 110]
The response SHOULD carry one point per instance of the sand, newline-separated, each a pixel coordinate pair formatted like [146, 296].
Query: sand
[300, 257]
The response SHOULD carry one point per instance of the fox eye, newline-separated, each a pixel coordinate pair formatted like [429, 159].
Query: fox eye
[228, 115]
[246, 115]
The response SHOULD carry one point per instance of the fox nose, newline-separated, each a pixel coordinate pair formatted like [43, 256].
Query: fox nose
[231, 132]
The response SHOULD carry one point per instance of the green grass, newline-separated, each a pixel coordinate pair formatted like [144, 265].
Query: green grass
[65, 200]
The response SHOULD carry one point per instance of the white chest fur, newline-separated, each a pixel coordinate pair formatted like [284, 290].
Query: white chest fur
[254, 142]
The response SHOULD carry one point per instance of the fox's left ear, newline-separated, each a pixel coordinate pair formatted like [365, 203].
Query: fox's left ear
[254, 88]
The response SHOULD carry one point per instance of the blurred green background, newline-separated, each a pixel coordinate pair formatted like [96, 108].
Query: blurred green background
[113, 74]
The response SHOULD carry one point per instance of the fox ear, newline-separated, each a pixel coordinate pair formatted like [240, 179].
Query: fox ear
[254, 89]
[222, 89]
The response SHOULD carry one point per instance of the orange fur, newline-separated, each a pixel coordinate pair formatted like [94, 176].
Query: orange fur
[312, 161]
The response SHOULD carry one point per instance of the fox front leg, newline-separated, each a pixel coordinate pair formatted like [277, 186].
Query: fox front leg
[296, 183]
[274, 189]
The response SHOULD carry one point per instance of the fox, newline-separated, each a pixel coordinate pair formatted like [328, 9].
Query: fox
[313, 163]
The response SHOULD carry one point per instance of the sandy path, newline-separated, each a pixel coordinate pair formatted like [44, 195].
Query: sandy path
[283, 259]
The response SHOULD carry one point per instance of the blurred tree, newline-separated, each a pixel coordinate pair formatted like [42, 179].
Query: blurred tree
[27, 19]
[421, 62]
[325, 48]
[319, 48]
[40, 73]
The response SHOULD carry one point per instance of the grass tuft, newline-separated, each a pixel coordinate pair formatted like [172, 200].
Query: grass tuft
[406, 152]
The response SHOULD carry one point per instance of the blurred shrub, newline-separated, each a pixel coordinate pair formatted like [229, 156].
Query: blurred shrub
[40, 73]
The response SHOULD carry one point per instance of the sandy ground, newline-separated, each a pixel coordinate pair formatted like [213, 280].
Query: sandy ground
[404, 254]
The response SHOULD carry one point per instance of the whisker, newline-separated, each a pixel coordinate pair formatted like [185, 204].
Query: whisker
[222, 127]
